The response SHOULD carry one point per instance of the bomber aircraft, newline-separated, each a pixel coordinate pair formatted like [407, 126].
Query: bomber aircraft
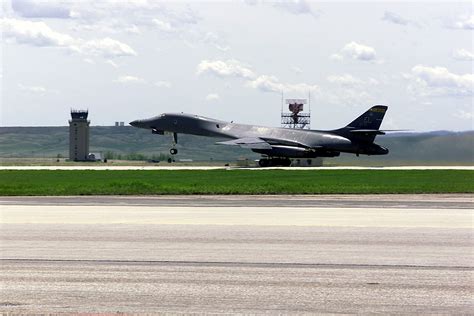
[277, 145]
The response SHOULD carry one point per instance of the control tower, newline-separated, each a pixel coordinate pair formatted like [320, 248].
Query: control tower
[79, 135]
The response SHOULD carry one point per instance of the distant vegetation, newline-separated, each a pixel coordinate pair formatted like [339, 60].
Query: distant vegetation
[136, 144]
[15, 182]
[135, 156]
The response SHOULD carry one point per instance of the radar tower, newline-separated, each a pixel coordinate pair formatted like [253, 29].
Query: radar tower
[295, 117]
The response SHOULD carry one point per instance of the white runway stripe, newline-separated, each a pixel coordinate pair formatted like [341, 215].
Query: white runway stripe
[236, 216]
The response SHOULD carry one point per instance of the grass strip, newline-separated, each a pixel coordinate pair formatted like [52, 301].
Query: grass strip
[103, 182]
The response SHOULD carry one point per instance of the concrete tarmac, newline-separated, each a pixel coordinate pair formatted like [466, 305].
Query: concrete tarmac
[237, 254]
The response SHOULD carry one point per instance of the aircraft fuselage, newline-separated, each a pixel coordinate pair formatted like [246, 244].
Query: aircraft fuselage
[285, 142]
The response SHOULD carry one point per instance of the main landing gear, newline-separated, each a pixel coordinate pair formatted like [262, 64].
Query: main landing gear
[274, 162]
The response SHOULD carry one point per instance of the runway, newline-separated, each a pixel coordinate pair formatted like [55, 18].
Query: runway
[177, 167]
[237, 254]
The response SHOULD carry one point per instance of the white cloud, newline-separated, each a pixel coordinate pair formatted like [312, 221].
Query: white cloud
[272, 84]
[89, 61]
[163, 84]
[183, 25]
[111, 63]
[297, 70]
[265, 83]
[164, 26]
[41, 9]
[110, 25]
[291, 6]
[106, 47]
[251, 2]
[394, 18]
[359, 51]
[350, 81]
[129, 16]
[345, 79]
[229, 68]
[212, 97]
[215, 40]
[463, 54]
[236, 69]
[397, 19]
[41, 35]
[34, 33]
[36, 89]
[464, 115]
[294, 6]
[133, 29]
[438, 81]
[348, 97]
[336, 57]
[464, 22]
[349, 90]
[129, 79]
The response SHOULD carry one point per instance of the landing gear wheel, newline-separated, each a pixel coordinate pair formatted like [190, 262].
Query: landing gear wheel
[173, 151]
[273, 162]
[170, 160]
[286, 162]
[264, 162]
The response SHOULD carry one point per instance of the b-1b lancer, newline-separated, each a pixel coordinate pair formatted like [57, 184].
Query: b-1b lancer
[277, 145]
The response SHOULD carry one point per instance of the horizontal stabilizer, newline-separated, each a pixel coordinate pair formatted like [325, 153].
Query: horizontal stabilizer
[249, 142]
[367, 131]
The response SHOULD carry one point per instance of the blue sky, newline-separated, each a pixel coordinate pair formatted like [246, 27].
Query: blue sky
[232, 60]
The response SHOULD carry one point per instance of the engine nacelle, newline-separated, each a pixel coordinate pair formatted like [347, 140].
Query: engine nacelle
[155, 131]
[295, 152]
[375, 149]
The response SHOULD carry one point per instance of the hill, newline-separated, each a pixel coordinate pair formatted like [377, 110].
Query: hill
[405, 148]
[116, 141]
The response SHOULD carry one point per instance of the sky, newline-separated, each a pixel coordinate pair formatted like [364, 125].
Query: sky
[234, 60]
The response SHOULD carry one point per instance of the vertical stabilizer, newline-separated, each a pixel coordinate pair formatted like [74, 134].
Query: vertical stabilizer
[370, 120]
[365, 127]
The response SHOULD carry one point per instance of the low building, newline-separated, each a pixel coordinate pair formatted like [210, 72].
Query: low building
[314, 162]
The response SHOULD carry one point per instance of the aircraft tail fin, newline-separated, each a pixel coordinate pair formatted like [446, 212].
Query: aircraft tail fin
[370, 120]
[365, 127]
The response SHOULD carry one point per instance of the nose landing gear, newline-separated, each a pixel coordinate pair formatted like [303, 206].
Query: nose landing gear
[173, 150]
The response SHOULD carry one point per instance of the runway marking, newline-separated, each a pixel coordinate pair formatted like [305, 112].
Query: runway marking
[240, 264]
[247, 216]
[413, 201]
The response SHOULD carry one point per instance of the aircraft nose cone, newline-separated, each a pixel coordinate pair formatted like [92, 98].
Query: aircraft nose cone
[135, 123]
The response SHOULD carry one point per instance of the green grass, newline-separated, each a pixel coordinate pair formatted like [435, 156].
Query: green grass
[15, 182]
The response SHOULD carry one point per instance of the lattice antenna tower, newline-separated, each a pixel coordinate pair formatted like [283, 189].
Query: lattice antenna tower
[296, 117]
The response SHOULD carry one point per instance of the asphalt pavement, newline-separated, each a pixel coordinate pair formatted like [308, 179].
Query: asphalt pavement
[237, 254]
